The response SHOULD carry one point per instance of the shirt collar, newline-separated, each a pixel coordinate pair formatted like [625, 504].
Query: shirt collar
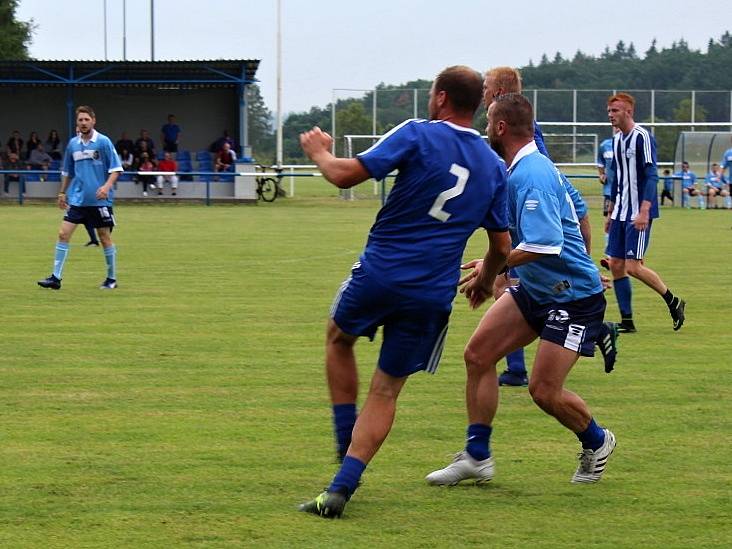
[526, 150]
[92, 139]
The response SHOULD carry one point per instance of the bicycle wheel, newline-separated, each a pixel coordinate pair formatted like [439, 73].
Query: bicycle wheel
[268, 190]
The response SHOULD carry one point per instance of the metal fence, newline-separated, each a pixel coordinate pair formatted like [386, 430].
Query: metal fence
[574, 111]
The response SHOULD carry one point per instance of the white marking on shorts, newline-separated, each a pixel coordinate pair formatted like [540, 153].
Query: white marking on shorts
[575, 337]
[434, 360]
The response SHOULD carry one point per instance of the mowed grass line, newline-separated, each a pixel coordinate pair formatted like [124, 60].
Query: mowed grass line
[188, 408]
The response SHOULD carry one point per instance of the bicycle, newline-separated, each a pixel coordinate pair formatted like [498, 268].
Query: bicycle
[267, 188]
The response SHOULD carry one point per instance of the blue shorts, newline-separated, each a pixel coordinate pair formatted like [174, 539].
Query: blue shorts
[94, 216]
[414, 331]
[624, 241]
[574, 325]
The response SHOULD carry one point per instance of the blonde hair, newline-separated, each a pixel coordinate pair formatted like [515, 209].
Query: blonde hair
[506, 78]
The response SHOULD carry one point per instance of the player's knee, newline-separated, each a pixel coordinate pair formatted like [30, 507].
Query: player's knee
[633, 268]
[475, 359]
[543, 395]
[335, 336]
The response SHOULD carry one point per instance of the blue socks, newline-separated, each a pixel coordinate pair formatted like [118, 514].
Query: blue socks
[624, 295]
[110, 256]
[516, 364]
[593, 437]
[62, 252]
[346, 479]
[478, 445]
[344, 418]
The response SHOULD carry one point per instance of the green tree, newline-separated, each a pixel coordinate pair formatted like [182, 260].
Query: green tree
[15, 36]
[261, 134]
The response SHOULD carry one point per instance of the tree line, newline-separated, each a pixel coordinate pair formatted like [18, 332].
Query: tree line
[677, 67]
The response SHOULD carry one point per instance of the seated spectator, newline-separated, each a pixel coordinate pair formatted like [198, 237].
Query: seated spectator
[225, 158]
[142, 149]
[715, 184]
[53, 145]
[123, 143]
[668, 186]
[170, 134]
[167, 164]
[15, 144]
[688, 186]
[146, 165]
[12, 164]
[217, 145]
[127, 160]
[144, 138]
[39, 159]
[33, 142]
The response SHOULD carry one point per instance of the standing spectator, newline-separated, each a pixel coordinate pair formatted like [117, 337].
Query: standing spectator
[33, 142]
[53, 145]
[146, 165]
[91, 167]
[668, 186]
[635, 206]
[225, 158]
[168, 165]
[39, 159]
[123, 143]
[715, 184]
[217, 145]
[15, 144]
[169, 134]
[144, 138]
[13, 163]
[688, 185]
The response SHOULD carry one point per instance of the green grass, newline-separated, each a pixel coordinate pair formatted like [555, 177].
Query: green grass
[188, 408]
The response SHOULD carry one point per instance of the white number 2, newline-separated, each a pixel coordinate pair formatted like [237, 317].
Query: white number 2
[462, 175]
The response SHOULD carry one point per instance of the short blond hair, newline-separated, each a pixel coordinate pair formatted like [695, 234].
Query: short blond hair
[506, 78]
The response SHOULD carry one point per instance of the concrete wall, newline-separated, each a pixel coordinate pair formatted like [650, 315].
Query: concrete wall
[202, 114]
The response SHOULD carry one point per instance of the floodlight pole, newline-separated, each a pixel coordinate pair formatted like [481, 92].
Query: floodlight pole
[152, 30]
[279, 83]
[124, 30]
[105, 30]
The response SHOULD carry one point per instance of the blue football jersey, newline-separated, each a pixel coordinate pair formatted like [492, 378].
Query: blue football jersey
[715, 180]
[688, 179]
[726, 161]
[605, 160]
[88, 165]
[542, 219]
[450, 182]
[631, 154]
[539, 140]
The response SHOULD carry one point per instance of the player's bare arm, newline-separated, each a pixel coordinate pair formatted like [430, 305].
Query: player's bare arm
[478, 285]
[62, 193]
[103, 191]
[342, 172]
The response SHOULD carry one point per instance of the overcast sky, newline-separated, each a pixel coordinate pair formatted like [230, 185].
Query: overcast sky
[329, 44]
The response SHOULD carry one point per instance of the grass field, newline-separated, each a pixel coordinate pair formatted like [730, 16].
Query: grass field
[188, 408]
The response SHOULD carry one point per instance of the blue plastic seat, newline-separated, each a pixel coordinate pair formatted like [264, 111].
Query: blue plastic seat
[181, 156]
[203, 155]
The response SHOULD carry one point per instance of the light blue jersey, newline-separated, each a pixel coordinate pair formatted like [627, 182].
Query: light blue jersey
[688, 179]
[726, 161]
[605, 160]
[88, 165]
[542, 219]
[715, 180]
[450, 182]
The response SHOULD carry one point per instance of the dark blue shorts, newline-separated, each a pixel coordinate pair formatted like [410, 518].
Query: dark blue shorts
[95, 216]
[414, 331]
[624, 241]
[574, 325]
